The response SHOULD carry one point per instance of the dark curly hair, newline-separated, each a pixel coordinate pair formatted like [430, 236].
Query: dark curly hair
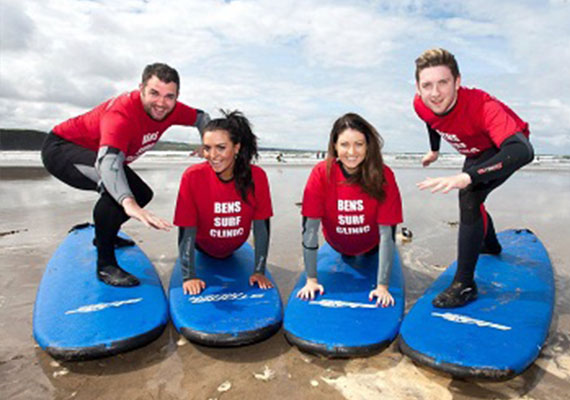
[239, 129]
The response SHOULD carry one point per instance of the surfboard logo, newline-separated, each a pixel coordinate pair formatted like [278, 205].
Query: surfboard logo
[235, 296]
[102, 306]
[463, 319]
[341, 304]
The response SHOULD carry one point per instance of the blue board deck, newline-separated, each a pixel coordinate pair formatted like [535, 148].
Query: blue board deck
[343, 322]
[229, 312]
[501, 333]
[77, 317]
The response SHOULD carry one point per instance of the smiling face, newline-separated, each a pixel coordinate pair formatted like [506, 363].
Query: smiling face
[220, 152]
[438, 88]
[351, 149]
[158, 98]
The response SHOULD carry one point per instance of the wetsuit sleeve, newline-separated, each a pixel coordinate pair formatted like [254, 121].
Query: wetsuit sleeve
[310, 245]
[187, 252]
[110, 167]
[261, 241]
[515, 152]
[434, 138]
[202, 119]
[386, 251]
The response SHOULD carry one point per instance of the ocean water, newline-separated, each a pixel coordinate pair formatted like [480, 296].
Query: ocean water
[409, 160]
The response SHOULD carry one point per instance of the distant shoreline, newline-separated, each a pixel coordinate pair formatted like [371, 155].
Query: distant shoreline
[32, 158]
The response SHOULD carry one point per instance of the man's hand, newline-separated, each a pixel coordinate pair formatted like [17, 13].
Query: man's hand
[133, 210]
[445, 184]
[429, 157]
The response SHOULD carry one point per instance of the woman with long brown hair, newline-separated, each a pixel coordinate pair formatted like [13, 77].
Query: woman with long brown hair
[356, 197]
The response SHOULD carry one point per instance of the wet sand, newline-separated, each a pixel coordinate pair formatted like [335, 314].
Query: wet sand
[36, 211]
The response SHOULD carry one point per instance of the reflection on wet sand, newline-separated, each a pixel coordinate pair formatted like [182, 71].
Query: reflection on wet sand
[23, 174]
[36, 211]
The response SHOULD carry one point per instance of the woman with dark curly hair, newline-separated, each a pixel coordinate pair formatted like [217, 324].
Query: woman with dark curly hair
[356, 197]
[221, 198]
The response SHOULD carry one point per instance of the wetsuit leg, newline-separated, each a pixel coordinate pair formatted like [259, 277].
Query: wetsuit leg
[472, 232]
[75, 166]
[491, 244]
[70, 163]
[471, 237]
[109, 216]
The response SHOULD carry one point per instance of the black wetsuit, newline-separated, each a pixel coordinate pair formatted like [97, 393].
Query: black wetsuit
[488, 170]
[75, 166]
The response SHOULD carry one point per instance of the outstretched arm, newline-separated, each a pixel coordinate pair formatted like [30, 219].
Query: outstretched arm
[514, 152]
[386, 250]
[261, 230]
[202, 119]
[110, 167]
[187, 255]
[310, 247]
[434, 144]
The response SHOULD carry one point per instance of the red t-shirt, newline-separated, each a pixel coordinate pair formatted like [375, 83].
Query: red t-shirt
[122, 122]
[476, 123]
[216, 208]
[350, 217]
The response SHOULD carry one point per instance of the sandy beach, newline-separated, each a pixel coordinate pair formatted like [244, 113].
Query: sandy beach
[36, 212]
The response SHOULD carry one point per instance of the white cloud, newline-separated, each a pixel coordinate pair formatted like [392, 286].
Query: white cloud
[16, 28]
[292, 66]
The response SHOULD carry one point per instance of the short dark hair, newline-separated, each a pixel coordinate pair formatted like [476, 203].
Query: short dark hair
[163, 72]
[434, 58]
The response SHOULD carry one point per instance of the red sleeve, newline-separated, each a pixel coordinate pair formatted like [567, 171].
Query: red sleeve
[315, 192]
[263, 207]
[116, 130]
[390, 210]
[185, 212]
[498, 122]
[185, 115]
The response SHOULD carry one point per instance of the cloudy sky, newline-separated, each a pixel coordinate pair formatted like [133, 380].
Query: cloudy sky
[292, 67]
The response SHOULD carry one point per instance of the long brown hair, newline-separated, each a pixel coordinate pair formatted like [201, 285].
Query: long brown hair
[370, 173]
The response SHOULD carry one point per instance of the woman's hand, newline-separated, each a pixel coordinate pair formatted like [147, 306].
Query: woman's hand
[311, 287]
[262, 281]
[193, 286]
[384, 298]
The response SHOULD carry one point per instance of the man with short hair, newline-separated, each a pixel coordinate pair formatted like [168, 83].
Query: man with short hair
[92, 152]
[495, 143]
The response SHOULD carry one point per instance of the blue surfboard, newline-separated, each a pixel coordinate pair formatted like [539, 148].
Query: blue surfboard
[229, 312]
[343, 322]
[77, 317]
[501, 333]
